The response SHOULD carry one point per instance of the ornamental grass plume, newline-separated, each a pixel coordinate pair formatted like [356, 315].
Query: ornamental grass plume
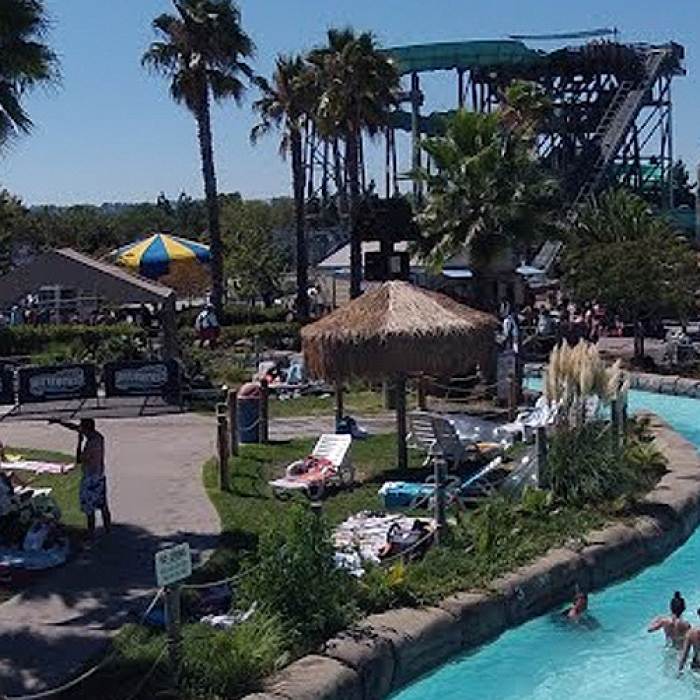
[575, 374]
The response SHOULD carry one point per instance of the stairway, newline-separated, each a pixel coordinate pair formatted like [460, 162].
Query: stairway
[618, 119]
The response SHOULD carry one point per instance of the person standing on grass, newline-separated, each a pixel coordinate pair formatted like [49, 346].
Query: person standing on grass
[90, 455]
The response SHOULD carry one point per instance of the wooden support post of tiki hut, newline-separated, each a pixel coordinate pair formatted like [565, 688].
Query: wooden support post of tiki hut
[400, 385]
[339, 410]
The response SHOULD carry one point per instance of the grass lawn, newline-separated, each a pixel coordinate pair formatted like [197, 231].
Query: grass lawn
[356, 403]
[249, 507]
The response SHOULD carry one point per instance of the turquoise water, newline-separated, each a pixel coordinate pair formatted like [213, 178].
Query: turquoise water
[545, 660]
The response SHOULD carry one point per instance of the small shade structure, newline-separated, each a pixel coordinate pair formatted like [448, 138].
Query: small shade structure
[165, 257]
[394, 330]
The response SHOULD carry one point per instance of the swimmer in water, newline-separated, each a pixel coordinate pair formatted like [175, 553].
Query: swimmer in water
[579, 607]
[692, 641]
[675, 628]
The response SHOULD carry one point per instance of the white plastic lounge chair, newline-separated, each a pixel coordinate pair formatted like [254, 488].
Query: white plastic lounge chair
[431, 432]
[527, 422]
[526, 473]
[421, 432]
[328, 465]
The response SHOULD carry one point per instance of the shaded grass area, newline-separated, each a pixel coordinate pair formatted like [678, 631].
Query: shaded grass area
[356, 403]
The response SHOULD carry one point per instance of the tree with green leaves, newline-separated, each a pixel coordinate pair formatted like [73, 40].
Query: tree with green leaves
[203, 51]
[26, 62]
[485, 192]
[286, 104]
[623, 256]
[358, 85]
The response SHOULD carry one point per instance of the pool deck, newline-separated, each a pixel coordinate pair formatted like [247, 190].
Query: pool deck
[387, 651]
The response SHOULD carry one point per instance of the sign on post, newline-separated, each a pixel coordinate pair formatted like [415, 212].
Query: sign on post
[173, 565]
[56, 383]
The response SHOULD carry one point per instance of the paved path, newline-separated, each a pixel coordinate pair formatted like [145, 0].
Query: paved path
[155, 486]
[50, 631]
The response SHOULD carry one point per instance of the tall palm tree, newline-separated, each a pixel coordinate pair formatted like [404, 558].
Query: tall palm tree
[358, 85]
[285, 104]
[203, 51]
[25, 62]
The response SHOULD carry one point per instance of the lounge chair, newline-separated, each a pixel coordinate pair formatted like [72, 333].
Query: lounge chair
[409, 495]
[436, 434]
[526, 473]
[328, 465]
[527, 422]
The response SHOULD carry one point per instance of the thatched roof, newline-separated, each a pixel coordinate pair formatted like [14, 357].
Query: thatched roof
[398, 328]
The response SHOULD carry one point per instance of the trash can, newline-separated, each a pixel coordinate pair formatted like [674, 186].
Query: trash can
[248, 414]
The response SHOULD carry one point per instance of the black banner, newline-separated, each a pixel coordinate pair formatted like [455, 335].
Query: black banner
[155, 378]
[7, 389]
[56, 383]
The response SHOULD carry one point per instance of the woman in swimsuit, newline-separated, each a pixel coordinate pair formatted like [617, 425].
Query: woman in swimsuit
[674, 627]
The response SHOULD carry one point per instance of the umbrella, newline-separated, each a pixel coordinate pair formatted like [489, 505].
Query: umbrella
[394, 330]
[160, 255]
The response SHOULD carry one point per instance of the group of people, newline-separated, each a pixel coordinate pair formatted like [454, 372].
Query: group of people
[679, 633]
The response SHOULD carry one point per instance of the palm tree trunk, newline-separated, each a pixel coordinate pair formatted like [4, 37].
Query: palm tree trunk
[209, 174]
[299, 218]
[352, 158]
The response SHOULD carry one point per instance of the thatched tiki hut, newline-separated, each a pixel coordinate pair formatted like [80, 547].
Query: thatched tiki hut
[395, 330]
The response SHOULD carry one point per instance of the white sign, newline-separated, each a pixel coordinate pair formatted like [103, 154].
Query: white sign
[173, 564]
[61, 381]
[141, 378]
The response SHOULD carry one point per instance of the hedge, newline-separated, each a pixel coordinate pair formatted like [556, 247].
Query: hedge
[29, 340]
[238, 316]
[272, 335]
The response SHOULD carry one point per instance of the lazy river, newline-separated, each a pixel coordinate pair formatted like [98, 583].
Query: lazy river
[547, 660]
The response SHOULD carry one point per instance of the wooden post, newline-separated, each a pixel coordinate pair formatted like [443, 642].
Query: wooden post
[172, 626]
[615, 424]
[232, 405]
[339, 410]
[541, 448]
[264, 432]
[401, 421]
[623, 419]
[222, 445]
[421, 398]
[512, 396]
[440, 467]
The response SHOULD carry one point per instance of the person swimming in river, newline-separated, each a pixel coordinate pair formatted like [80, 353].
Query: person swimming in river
[692, 641]
[675, 627]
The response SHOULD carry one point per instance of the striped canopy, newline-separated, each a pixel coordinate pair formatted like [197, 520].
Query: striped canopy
[159, 255]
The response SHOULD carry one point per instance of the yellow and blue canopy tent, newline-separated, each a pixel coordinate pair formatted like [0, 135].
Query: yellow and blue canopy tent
[161, 255]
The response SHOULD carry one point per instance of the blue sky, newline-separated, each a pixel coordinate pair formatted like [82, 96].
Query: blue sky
[111, 133]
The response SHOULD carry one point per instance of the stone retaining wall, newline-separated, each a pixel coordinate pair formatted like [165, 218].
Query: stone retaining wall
[387, 651]
[665, 384]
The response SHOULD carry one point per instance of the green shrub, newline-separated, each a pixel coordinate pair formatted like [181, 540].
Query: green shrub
[35, 340]
[297, 578]
[382, 589]
[230, 663]
[270, 335]
[238, 316]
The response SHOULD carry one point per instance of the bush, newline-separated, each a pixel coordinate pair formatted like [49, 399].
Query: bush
[32, 340]
[298, 580]
[230, 663]
[271, 335]
[239, 316]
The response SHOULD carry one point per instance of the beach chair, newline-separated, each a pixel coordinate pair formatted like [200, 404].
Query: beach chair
[435, 434]
[525, 474]
[410, 495]
[527, 422]
[327, 466]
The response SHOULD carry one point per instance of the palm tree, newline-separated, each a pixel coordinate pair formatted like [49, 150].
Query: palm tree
[25, 62]
[358, 85]
[286, 104]
[487, 190]
[203, 51]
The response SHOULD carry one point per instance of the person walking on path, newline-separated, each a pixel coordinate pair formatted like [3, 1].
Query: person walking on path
[90, 455]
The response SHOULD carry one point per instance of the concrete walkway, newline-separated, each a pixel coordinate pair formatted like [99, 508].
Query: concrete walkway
[52, 629]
